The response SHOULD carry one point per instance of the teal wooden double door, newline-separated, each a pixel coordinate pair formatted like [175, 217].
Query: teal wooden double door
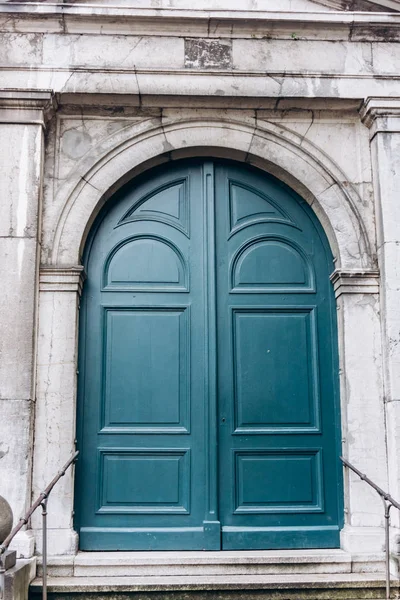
[208, 411]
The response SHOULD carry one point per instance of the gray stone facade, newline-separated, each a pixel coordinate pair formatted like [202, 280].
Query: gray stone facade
[90, 96]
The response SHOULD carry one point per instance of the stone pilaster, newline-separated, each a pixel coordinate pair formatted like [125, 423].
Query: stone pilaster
[362, 408]
[23, 118]
[59, 292]
[382, 116]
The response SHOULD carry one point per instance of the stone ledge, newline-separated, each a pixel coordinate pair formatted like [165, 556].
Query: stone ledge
[61, 279]
[156, 84]
[26, 106]
[124, 20]
[240, 582]
[381, 114]
[208, 563]
[111, 11]
[355, 282]
[128, 105]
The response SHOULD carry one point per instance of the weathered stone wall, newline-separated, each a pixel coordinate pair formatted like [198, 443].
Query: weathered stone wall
[93, 96]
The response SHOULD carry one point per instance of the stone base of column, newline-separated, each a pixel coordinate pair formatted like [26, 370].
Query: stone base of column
[357, 540]
[59, 541]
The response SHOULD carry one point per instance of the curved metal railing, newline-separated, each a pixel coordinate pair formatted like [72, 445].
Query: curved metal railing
[387, 499]
[42, 502]
[388, 502]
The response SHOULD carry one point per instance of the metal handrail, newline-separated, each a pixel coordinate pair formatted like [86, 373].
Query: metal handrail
[388, 502]
[40, 501]
[387, 499]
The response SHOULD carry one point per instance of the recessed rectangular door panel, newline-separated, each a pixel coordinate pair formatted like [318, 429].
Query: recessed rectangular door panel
[277, 480]
[155, 481]
[148, 373]
[274, 369]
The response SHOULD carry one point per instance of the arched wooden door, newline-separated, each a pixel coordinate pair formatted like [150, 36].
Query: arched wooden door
[208, 388]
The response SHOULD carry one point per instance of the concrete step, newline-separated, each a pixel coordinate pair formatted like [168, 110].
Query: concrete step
[339, 586]
[146, 564]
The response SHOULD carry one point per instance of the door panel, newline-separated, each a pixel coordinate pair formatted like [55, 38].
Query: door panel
[208, 411]
[269, 346]
[296, 476]
[279, 478]
[159, 373]
[143, 361]
[155, 481]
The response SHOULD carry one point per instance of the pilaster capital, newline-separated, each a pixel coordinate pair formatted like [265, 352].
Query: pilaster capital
[381, 115]
[61, 279]
[27, 107]
[355, 282]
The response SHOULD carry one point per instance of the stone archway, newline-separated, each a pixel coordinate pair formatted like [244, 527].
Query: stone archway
[136, 148]
[300, 164]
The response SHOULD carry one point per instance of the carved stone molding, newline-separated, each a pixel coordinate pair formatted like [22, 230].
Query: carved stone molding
[81, 193]
[76, 18]
[62, 279]
[355, 282]
[381, 115]
[27, 107]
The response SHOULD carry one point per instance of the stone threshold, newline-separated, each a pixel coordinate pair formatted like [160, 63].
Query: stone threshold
[205, 563]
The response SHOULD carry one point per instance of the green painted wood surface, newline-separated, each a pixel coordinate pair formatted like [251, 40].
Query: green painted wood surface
[208, 392]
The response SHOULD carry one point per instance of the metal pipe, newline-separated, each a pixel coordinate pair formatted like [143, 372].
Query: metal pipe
[387, 506]
[380, 491]
[44, 547]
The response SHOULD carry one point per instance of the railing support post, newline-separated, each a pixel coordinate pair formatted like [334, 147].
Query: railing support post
[387, 506]
[43, 504]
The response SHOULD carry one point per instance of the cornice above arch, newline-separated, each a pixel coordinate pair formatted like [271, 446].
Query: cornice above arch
[297, 162]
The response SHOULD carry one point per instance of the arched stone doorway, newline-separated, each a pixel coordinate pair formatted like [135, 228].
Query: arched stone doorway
[209, 410]
[309, 172]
